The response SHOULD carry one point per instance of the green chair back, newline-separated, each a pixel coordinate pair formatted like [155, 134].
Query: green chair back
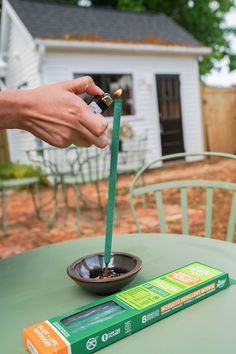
[72, 167]
[183, 186]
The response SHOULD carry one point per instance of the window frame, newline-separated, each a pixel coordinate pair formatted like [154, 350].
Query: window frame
[78, 74]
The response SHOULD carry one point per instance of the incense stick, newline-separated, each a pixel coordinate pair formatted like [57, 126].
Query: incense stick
[112, 181]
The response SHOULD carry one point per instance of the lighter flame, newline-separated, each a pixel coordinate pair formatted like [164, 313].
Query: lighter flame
[118, 93]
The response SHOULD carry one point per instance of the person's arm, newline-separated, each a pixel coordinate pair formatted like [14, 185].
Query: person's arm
[55, 113]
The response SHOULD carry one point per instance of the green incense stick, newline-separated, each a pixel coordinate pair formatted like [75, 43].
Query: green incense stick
[112, 180]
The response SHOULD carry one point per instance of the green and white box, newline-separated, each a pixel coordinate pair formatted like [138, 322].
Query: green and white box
[105, 321]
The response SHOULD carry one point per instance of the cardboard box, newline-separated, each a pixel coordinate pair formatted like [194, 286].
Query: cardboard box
[107, 320]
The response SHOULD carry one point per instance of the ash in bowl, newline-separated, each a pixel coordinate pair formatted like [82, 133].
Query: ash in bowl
[110, 273]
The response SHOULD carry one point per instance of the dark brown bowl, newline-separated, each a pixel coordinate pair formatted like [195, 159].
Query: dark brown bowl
[85, 271]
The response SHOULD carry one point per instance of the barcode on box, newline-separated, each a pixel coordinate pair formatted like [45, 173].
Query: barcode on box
[31, 348]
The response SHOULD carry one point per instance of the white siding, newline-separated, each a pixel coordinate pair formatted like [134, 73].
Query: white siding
[62, 66]
[22, 68]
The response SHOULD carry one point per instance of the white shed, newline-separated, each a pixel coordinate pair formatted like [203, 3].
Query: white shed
[151, 57]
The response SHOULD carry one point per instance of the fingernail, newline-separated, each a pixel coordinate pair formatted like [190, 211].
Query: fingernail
[99, 89]
[104, 139]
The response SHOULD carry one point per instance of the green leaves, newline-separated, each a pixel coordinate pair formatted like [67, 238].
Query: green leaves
[136, 5]
[232, 62]
[12, 170]
[204, 19]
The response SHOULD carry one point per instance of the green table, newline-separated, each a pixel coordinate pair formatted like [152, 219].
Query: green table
[34, 286]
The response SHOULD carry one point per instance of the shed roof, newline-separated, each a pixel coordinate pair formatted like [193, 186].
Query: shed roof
[51, 20]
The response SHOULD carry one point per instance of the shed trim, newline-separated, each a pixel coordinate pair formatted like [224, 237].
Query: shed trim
[123, 47]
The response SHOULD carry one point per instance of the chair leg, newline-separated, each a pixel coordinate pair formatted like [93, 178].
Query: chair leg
[35, 191]
[51, 220]
[4, 212]
[83, 198]
[66, 203]
[99, 197]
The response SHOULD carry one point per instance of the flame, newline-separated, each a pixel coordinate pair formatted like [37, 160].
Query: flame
[118, 93]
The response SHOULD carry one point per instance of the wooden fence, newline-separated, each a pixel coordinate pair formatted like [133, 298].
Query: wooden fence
[4, 154]
[219, 118]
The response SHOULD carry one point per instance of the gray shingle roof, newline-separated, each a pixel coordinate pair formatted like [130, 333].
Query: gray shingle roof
[52, 20]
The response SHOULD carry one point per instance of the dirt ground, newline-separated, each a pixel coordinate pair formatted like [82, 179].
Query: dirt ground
[27, 232]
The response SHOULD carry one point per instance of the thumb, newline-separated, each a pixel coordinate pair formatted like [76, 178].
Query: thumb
[83, 84]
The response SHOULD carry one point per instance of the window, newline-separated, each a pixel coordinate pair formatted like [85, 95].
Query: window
[110, 83]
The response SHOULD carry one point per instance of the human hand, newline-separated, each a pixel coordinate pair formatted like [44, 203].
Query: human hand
[56, 114]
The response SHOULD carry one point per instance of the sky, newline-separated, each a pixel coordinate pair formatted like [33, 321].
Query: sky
[224, 77]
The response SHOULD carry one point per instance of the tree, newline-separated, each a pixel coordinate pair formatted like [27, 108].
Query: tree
[204, 19]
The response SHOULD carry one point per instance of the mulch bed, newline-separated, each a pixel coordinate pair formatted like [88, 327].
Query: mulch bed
[27, 232]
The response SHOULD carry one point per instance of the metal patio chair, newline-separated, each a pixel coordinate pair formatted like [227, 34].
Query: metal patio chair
[5, 185]
[71, 167]
[184, 186]
[133, 154]
[89, 166]
[49, 161]
[132, 158]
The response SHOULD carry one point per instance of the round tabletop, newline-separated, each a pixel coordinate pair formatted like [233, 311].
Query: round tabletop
[35, 287]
